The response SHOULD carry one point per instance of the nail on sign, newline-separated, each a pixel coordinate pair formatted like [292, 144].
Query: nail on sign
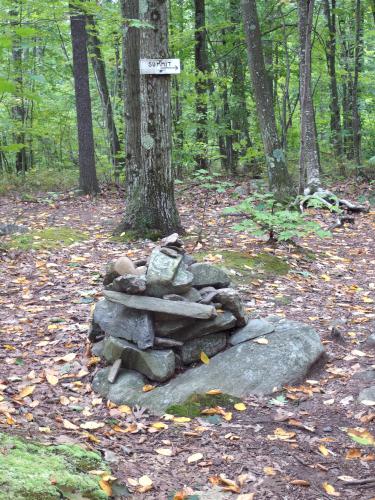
[159, 66]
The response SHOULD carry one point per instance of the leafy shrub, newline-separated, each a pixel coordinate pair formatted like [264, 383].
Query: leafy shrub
[266, 216]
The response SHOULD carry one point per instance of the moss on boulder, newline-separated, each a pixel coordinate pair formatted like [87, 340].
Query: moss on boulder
[194, 405]
[34, 471]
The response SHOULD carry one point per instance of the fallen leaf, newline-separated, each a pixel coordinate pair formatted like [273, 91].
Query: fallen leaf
[361, 436]
[261, 340]
[26, 391]
[246, 496]
[300, 482]
[214, 392]
[196, 457]
[204, 358]
[125, 409]
[269, 471]
[148, 388]
[330, 490]
[51, 378]
[281, 435]
[159, 425]
[240, 406]
[353, 453]
[106, 487]
[323, 450]
[145, 483]
[166, 452]
[69, 425]
[92, 425]
[181, 420]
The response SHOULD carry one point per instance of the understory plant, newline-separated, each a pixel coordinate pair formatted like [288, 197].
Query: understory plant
[265, 216]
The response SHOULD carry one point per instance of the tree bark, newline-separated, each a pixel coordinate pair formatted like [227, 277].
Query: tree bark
[99, 69]
[309, 157]
[358, 54]
[278, 176]
[150, 183]
[201, 85]
[336, 133]
[88, 182]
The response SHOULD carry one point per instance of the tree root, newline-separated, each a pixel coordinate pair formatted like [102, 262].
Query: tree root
[328, 199]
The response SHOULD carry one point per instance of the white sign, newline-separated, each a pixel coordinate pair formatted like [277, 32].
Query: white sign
[159, 66]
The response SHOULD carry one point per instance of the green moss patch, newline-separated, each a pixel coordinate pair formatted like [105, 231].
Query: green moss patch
[249, 266]
[32, 471]
[194, 405]
[53, 237]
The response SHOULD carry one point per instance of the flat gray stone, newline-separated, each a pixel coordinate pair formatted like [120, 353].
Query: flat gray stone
[208, 275]
[192, 295]
[188, 259]
[231, 301]
[166, 326]
[119, 321]
[156, 365]
[210, 345]
[171, 240]
[128, 283]
[186, 309]
[367, 396]
[127, 387]
[224, 321]
[97, 349]
[370, 342]
[6, 229]
[161, 271]
[174, 297]
[365, 375]
[182, 281]
[255, 328]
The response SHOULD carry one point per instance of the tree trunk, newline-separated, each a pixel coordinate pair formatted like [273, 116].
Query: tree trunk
[309, 158]
[278, 177]
[88, 182]
[358, 54]
[18, 110]
[336, 134]
[201, 86]
[150, 184]
[99, 69]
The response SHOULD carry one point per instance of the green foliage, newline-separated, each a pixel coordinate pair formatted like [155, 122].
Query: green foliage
[39, 180]
[267, 217]
[32, 471]
[211, 181]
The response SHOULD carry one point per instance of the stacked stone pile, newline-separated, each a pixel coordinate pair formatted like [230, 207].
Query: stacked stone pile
[157, 317]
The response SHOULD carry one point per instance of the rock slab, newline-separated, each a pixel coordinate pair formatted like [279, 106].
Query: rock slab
[119, 321]
[255, 328]
[210, 345]
[207, 275]
[247, 368]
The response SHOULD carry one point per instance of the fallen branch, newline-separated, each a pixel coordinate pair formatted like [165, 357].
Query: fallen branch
[341, 220]
[329, 200]
[359, 482]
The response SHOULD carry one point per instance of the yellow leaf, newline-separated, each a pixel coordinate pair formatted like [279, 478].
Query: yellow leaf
[125, 409]
[367, 300]
[246, 496]
[51, 378]
[181, 420]
[148, 388]
[323, 450]
[166, 452]
[26, 391]
[69, 425]
[228, 416]
[92, 425]
[91, 437]
[325, 277]
[204, 358]
[196, 457]
[269, 471]
[145, 481]
[240, 406]
[261, 340]
[159, 425]
[330, 490]
[47, 430]
[64, 401]
[214, 392]
[69, 357]
[106, 487]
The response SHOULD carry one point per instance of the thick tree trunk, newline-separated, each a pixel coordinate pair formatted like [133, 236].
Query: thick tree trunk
[150, 184]
[278, 177]
[336, 134]
[98, 66]
[88, 182]
[309, 157]
[201, 86]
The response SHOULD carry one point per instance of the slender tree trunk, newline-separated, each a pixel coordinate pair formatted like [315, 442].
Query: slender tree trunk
[150, 193]
[358, 53]
[336, 133]
[19, 111]
[278, 177]
[88, 182]
[98, 65]
[309, 157]
[201, 86]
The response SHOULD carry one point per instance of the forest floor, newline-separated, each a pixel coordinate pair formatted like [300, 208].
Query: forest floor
[46, 299]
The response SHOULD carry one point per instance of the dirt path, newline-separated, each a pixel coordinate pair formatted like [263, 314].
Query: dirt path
[45, 300]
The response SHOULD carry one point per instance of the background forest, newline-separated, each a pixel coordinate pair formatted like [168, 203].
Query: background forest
[215, 124]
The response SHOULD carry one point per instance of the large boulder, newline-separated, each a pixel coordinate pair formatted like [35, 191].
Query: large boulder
[158, 365]
[247, 368]
[119, 321]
